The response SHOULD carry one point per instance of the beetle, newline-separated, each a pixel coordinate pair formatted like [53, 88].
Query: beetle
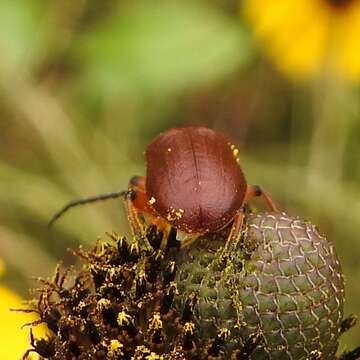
[193, 183]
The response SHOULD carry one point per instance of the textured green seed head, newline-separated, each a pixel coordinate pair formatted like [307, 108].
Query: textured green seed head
[282, 280]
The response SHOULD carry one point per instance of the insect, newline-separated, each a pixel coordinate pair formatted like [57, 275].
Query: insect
[193, 183]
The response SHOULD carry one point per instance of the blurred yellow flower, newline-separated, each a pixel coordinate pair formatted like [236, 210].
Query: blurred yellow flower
[306, 37]
[14, 341]
[2, 267]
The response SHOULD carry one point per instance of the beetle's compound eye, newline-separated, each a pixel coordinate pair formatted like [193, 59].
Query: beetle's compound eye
[131, 195]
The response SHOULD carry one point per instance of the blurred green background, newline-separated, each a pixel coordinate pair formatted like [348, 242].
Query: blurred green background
[86, 84]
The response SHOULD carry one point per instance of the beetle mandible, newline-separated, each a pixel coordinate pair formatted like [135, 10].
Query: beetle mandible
[193, 183]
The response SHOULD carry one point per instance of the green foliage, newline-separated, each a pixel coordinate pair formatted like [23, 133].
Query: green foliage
[20, 30]
[162, 46]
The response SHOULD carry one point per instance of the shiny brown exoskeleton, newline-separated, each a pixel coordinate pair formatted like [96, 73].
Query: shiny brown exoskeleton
[194, 179]
[193, 184]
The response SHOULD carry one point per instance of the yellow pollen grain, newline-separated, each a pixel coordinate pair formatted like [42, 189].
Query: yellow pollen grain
[142, 349]
[189, 327]
[156, 322]
[104, 303]
[175, 214]
[115, 345]
[153, 356]
[152, 201]
[224, 333]
[173, 287]
[123, 318]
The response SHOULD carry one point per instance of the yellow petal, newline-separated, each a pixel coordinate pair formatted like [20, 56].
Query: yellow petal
[268, 16]
[2, 267]
[304, 54]
[293, 36]
[304, 37]
[14, 340]
[348, 46]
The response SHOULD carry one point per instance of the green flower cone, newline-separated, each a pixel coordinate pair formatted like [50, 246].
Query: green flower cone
[282, 281]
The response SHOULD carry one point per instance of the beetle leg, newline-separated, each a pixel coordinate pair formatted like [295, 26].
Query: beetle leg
[138, 205]
[134, 216]
[163, 226]
[254, 191]
[137, 225]
[136, 202]
[236, 230]
[188, 240]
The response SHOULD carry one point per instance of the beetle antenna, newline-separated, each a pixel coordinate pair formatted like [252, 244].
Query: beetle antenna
[113, 195]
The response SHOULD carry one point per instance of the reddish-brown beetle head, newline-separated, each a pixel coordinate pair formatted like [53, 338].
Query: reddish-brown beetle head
[193, 179]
